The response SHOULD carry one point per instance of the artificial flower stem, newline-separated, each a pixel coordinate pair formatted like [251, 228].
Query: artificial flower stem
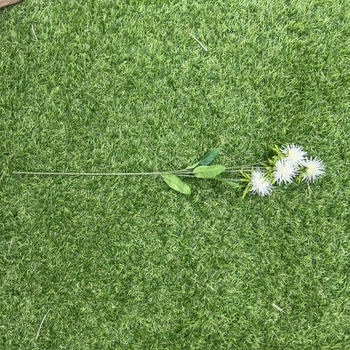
[180, 173]
[239, 167]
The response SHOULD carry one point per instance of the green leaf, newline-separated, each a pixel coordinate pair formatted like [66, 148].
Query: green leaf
[176, 183]
[207, 158]
[207, 172]
[233, 184]
[277, 150]
[246, 177]
[246, 190]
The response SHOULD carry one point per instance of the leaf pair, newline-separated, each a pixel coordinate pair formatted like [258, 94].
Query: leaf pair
[201, 170]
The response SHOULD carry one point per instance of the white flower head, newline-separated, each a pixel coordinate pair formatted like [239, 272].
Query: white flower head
[284, 171]
[313, 168]
[294, 153]
[259, 183]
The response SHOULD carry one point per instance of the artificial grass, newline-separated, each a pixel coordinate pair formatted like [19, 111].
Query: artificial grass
[127, 263]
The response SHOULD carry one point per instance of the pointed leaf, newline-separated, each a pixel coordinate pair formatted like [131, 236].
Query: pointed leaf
[233, 184]
[207, 158]
[246, 190]
[207, 172]
[176, 183]
[192, 166]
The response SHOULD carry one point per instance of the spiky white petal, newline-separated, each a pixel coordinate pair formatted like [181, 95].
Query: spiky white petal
[284, 171]
[260, 184]
[313, 168]
[294, 153]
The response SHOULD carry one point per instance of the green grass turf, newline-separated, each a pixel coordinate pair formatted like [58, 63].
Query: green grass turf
[128, 263]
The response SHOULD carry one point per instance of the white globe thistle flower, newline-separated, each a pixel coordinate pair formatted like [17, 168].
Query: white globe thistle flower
[259, 183]
[313, 168]
[284, 171]
[294, 153]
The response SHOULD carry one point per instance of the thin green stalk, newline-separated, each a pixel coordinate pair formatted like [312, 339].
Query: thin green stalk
[183, 172]
[238, 168]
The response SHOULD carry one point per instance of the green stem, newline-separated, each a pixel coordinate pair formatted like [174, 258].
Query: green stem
[175, 172]
[182, 172]
[238, 168]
